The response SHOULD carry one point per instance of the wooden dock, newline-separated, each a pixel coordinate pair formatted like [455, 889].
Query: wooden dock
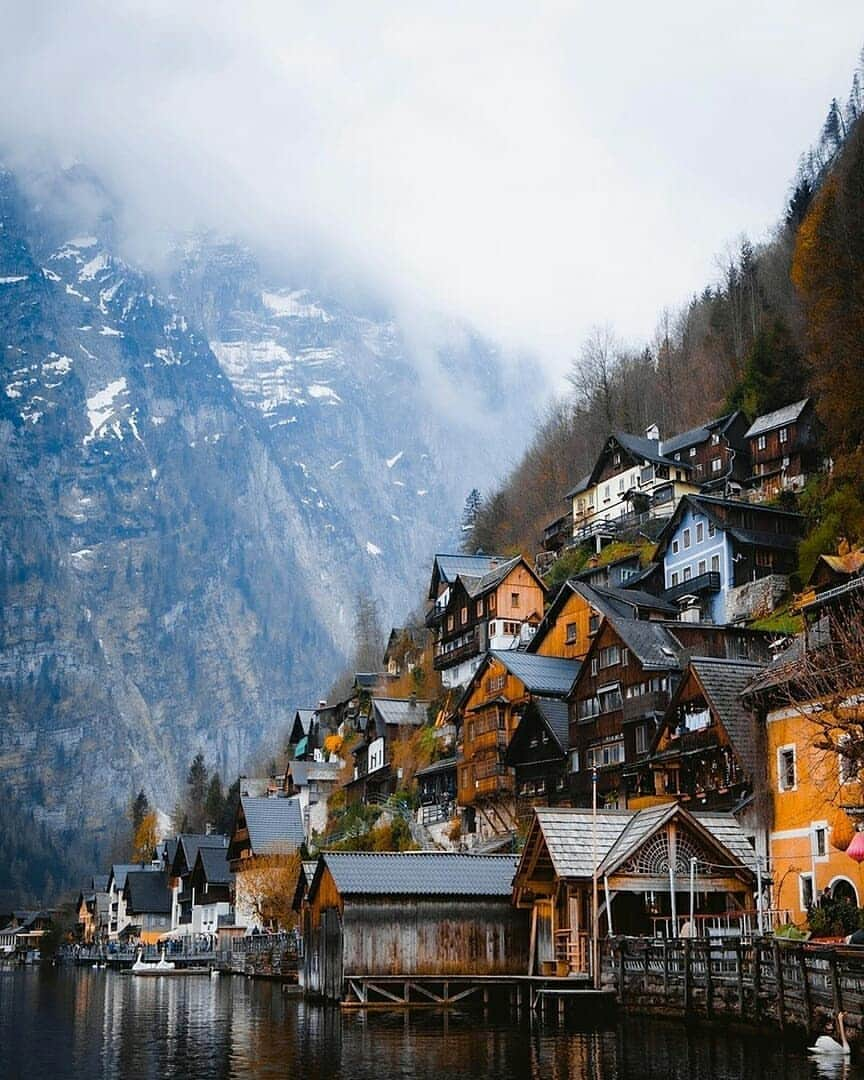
[531, 992]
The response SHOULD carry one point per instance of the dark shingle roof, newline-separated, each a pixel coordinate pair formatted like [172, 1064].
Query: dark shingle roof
[215, 866]
[550, 675]
[769, 421]
[556, 715]
[401, 711]
[651, 644]
[636, 598]
[723, 682]
[191, 843]
[449, 567]
[147, 891]
[420, 873]
[580, 486]
[695, 435]
[275, 825]
[121, 870]
[444, 764]
[649, 449]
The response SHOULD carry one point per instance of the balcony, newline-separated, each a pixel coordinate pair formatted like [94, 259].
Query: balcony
[558, 533]
[708, 582]
[447, 656]
[646, 705]
[434, 615]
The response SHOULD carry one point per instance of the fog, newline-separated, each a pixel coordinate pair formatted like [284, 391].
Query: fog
[532, 169]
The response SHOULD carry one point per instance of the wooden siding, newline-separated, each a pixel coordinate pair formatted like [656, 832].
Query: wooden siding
[434, 936]
[578, 611]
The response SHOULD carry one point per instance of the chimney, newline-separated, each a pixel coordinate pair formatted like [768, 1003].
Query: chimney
[652, 432]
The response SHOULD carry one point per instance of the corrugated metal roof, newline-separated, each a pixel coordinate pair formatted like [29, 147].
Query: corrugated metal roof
[477, 586]
[444, 764]
[401, 711]
[275, 825]
[549, 675]
[769, 421]
[420, 873]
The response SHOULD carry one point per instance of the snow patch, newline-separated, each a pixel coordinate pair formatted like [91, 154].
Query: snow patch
[57, 365]
[12, 280]
[323, 393]
[82, 241]
[74, 292]
[95, 266]
[109, 331]
[292, 305]
[336, 464]
[422, 492]
[102, 407]
[391, 461]
[50, 274]
[372, 549]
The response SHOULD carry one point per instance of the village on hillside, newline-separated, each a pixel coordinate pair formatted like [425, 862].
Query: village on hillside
[657, 749]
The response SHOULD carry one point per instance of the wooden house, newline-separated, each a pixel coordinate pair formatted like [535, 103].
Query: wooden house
[303, 736]
[436, 786]
[624, 687]
[537, 753]
[265, 836]
[642, 860]
[414, 915]
[313, 782]
[148, 905]
[183, 853]
[210, 884]
[498, 610]
[716, 451]
[784, 448]
[715, 552]
[118, 917]
[92, 909]
[25, 931]
[573, 619]
[708, 750]
[490, 710]
[388, 720]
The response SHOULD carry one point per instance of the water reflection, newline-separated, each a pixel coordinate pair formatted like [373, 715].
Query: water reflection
[98, 1024]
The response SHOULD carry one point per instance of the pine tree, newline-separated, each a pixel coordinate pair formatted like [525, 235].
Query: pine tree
[139, 810]
[196, 784]
[471, 510]
[214, 803]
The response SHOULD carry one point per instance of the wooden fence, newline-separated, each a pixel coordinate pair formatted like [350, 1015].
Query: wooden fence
[790, 984]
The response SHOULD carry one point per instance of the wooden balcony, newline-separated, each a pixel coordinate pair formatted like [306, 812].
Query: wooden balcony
[558, 533]
[573, 952]
[703, 583]
[646, 705]
[446, 658]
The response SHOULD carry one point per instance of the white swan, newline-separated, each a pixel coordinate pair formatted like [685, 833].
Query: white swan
[826, 1045]
[139, 964]
[163, 964]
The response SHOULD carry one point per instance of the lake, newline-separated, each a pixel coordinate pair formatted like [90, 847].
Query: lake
[63, 1022]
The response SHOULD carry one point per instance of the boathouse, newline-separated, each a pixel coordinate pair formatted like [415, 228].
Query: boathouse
[643, 865]
[409, 915]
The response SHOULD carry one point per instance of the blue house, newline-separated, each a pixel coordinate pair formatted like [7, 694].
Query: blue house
[722, 557]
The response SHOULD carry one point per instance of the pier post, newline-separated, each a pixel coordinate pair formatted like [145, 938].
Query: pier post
[739, 975]
[757, 979]
[687, 974]
[709, 980]
[621, 985]
[835, 984]
[805, 989]
[665, 968]
[781, 990]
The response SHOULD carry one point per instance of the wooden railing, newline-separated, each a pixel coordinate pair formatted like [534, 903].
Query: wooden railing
[573, 948]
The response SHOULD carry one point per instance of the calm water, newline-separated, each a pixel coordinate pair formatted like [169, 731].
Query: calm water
[61, 1023]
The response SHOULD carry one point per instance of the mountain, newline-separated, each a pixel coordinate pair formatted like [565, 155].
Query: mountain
[199, 477]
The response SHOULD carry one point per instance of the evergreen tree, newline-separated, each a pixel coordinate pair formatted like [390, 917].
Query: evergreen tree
[471, 510]
[774, 374]
[214, 803]
[196, 785]
[139, 810]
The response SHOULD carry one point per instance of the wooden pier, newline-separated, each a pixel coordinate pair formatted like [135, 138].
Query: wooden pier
[786, 984]
[530, 992]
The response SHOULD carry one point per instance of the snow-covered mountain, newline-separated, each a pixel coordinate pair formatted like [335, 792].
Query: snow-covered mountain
[199, 477]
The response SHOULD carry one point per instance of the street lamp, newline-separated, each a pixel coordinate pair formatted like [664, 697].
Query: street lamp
[595, 918]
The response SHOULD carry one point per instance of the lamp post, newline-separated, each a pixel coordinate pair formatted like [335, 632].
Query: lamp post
[595, 918]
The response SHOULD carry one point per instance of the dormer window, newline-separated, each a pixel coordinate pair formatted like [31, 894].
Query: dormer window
[715, 439]
[616, 459]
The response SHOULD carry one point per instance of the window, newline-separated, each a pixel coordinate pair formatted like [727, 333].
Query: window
[607, 493]
[806, 894]
[686, 538]
[716, 464]
[764, 558]
[587, 708]
[594, 665]
[574, 761]
[514, 599]
[478, 608]
[698, 468]
[715, 563]
[820, 841]
[609, 698]
[495, 683]
[784, 434]
[450, 622]
[610, 656]
[787, 779]
[692, 451]
[616, 459]
[464, 615]
[593, 623]
[571, 634]
[622, 480]
[677, 457]
[712, 529]
[625, 658]
[608, 753]
[675, 547]
[642, 739]
[760, 443]
[492, 602]
[715, 439]
[703, 567]
[687, 573]
[674, 579]
[700, 532]
[785, 462]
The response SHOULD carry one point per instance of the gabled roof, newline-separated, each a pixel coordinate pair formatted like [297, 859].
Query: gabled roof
[710, 504]
[214, 866]
[188, 846]
[99, 883]
[651, 643]
[302, 772]
[568, 836]
[479, 586]
[636, 599]
[649, 449]
[400, 711]
[418, 873]
[303, 720]
[549, 675]
[275, 824]
[581, 485]
[445, 764]
[446, 568]
[147, 892]
[723, 682]
[557, 716]
[779, 418]
[697, 435]
[119, 872]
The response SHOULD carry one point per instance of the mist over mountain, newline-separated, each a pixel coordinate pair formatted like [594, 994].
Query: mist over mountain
[201, 471]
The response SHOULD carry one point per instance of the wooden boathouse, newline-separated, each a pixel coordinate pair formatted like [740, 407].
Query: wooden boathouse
[406, 927]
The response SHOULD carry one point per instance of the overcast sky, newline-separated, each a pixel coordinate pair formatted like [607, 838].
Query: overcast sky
[533, 167]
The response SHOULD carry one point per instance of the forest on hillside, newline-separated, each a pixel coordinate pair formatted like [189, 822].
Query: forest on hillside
[785, 320]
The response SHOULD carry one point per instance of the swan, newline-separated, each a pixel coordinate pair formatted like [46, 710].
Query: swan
[163, 964]
[826, 1045]
[139, 964]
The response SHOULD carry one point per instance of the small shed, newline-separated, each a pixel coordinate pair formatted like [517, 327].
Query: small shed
[416, 914]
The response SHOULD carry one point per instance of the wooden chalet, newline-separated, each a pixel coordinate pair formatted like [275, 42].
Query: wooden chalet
[499, 610]
[211, 884]
[716, 451]
[371, 917]
[624, 688]
[25, 931]
[184, 851]
[490, 711]
[148, 905]
[436, 785]
[265, 835]
[573, 619]
[537, 753]
[388, 720]
[643, 866]
[784, 448]
[303, 737]
[708, 751]
[92, 909]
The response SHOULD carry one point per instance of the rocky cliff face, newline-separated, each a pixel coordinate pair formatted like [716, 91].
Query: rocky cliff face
[196, 483]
